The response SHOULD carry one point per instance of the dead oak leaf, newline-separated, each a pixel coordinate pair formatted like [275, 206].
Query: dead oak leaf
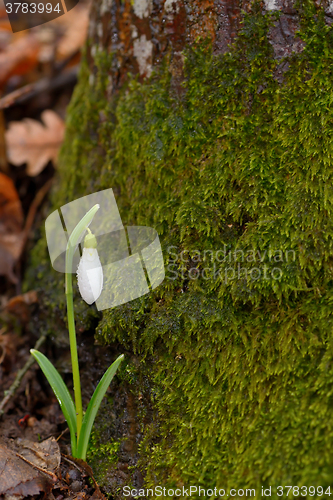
[19, 57]
[35, 144]
[18, 477]
[77, 26]
[45, 455]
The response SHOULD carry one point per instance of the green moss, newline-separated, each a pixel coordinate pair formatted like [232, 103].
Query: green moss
[82, 152]
[240, 369]
[103, 451]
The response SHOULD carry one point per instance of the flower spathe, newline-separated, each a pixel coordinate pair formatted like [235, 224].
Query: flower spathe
[89, 271]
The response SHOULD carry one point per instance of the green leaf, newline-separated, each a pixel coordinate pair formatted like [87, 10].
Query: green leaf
[62, 394]
[89, 417]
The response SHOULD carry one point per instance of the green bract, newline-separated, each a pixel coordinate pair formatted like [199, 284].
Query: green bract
[90, 240]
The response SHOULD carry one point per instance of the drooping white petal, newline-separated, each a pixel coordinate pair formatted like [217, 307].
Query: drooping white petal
[90, 283]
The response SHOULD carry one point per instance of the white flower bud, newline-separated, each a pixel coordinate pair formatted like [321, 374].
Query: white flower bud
[90, 288]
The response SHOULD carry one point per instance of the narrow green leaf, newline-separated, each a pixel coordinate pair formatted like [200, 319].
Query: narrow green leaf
[89, 417]
[62, 394]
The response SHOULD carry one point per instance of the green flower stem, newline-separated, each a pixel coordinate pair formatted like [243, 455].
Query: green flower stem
[74, 356]
[70, 250]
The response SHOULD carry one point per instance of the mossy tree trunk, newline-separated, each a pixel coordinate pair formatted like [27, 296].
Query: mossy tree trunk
[212, 120]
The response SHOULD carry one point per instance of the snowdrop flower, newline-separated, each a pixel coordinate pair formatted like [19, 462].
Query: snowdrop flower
[90, 284]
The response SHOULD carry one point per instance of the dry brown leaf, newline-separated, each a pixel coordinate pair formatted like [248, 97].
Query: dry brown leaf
[45, 455]
[76, 32]
[3, 157]
[11, 246]
[19, 306]
[3, 13]
[11, 225]
[19, 57]
[12, 233]
[11, 215]
[8, 344]
[31, 142]
[18, 477]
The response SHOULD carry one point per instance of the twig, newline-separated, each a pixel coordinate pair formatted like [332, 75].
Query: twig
[20, 375]
[71, 462]
[34, 89]
[53, 476]
[63, 432]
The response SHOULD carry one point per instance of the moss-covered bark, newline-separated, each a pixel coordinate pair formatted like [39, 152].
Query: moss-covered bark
[227, 153]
